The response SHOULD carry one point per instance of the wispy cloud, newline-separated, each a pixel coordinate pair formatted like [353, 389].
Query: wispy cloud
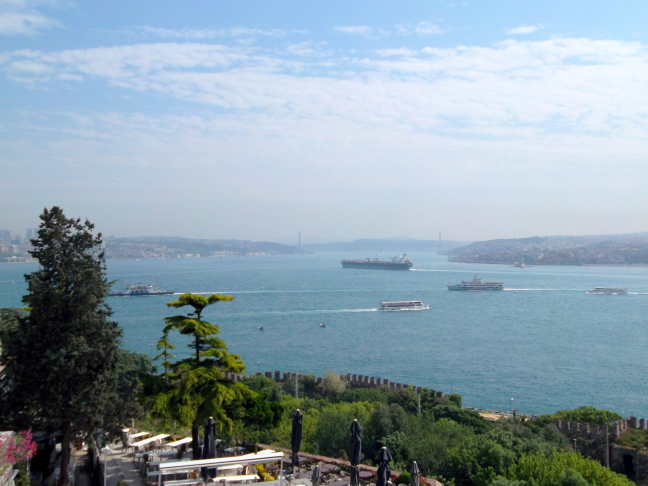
[355, 29]
[524, 29]
[401, 51]
[25, 23]
[424, 28]
[204, 34]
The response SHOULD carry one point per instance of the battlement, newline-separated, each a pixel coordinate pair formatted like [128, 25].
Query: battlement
[355, 381]
[594, 431]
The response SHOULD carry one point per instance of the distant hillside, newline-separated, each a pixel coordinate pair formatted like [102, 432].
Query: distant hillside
[173, 247]
[387, 244]
[625, 249]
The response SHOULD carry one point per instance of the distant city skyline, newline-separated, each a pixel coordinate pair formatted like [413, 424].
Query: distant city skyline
[258, 120]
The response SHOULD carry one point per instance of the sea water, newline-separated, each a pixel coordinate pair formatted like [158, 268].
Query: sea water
[539, 346]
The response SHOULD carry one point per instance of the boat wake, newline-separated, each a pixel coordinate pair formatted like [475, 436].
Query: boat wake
[637, 293]
[533, 290]
[430, 270]
[304, 312]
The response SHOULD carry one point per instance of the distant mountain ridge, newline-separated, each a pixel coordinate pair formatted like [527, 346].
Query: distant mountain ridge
[179, 247]
[615, 249]
[395, 244]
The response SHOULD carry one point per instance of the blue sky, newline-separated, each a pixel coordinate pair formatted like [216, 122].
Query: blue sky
[260, 119]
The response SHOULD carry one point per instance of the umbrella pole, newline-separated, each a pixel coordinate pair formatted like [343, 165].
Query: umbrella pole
[281, 473]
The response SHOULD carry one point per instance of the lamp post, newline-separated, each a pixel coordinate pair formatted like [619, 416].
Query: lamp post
[258, 367]
[511, 406]
[105, 450]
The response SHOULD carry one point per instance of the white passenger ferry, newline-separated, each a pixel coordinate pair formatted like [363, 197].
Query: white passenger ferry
[608, 291]
[403, 305]
[476, 284]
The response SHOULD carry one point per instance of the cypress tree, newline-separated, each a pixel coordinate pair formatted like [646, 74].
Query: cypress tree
[59, 361]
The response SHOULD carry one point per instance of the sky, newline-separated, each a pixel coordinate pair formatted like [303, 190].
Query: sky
[260, 119]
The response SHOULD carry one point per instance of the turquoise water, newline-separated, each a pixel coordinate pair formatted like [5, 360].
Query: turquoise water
[545, 342]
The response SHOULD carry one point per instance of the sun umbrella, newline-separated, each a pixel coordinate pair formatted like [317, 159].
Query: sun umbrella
[209, 448]
[315, 478]
[384, 473]
[414, 474]
[355, 452]
[296, 437]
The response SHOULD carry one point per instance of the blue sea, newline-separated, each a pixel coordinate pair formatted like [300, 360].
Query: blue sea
[543, 342]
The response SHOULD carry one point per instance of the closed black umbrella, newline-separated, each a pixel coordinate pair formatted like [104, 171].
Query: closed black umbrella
[355, 452]
[315, 478]
[384, 473]
[414, 474]
[296, 437]
[209, 448]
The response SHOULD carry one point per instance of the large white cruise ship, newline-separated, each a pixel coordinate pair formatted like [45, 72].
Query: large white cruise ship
[476, 284]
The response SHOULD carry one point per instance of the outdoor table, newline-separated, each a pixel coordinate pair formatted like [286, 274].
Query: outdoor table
[139, 434]
[327, 468]
[236, 479]
[177, 443]
[365, 475]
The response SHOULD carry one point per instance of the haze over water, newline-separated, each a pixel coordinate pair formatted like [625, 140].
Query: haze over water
[543, 342]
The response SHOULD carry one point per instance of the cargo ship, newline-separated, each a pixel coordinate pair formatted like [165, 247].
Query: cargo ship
[400, 262]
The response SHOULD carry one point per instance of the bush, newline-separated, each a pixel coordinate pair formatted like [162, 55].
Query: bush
[404, 478]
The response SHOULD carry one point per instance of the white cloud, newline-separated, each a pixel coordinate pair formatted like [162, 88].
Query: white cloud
[524, 29]
[203, 34]
[401, 51]
[424, 28]
[26, 23]
[355, 30]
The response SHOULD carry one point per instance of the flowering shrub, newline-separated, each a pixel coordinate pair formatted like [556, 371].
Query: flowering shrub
[15, 451]
[15, 448]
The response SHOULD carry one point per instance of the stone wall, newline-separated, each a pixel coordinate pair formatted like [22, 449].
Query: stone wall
[355, 381]
[590, 441]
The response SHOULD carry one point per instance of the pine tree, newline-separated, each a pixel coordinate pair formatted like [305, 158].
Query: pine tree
[59, 361]
[196, 388]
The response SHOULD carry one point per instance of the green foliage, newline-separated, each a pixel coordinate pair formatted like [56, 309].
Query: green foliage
[332, 434]
[465, 417]
[540, 470]
[586, 415]
[403, 478]
[193, 389]
[405, 398]
[10, 320]
[373, 395]
[385, 420]
[205, 344]
[635, 438]
[455, 399]
[63, 352]
[332, 385]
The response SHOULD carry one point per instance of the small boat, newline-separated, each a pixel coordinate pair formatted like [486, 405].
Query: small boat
[261, 328]
[607, 291]
[322, 325]
[403, 305]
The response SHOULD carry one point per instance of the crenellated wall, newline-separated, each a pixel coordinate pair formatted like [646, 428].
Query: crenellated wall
[355, 381]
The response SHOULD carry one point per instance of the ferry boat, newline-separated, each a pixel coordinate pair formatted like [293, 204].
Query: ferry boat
[403, 305]
[400, 262]
[137, 290]
[476, 284]
[607, 291]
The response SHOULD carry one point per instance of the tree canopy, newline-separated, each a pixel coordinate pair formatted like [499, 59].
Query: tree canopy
[60, 358]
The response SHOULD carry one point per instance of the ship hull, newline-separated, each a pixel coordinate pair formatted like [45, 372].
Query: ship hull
[376, 265]
[136, 294]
